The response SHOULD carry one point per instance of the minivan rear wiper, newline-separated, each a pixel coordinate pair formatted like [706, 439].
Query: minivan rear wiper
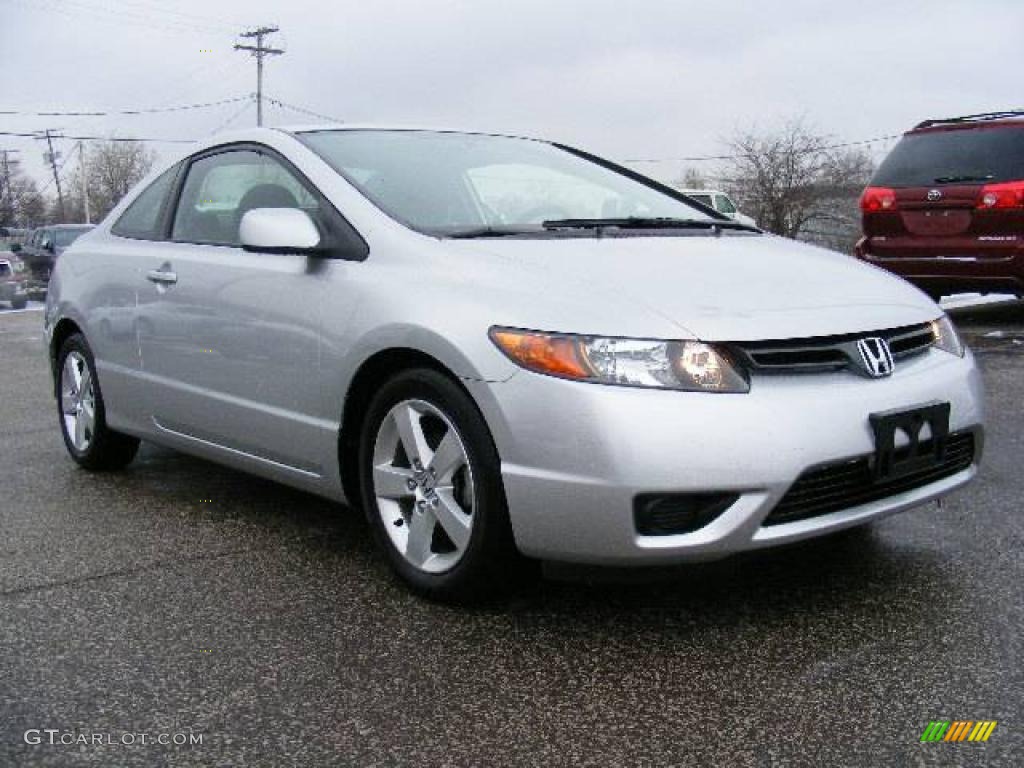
[640, 222]
[955, 179]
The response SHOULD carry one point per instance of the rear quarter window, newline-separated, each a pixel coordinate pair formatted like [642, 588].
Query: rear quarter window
[142, 219]
[993, 153]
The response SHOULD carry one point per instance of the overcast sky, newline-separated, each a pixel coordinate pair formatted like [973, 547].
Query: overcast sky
[641, 79]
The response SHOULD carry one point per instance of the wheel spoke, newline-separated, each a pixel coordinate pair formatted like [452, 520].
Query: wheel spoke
[77, 364]
[410, 432]
[71, 377]
[447, 458]
[79, 432]
[85, 383]
[67, 402]
[456, 523]
[390, 482]
[89, 412]
[421, 533]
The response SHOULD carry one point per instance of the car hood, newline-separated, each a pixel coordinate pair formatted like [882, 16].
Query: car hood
[728, 288]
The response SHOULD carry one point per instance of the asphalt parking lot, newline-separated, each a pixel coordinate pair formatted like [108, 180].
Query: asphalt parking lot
[179, 596]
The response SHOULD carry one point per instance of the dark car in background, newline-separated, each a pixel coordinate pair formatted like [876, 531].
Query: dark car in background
[42, 248]
[945, 209]
[13, 289]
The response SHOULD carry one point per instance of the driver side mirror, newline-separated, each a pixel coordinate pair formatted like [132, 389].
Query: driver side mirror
[278, 230]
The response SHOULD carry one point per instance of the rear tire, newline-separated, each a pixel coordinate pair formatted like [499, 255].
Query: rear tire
[82, 414]
[430, 480]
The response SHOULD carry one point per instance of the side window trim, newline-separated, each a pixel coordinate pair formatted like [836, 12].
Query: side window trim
[360, 248]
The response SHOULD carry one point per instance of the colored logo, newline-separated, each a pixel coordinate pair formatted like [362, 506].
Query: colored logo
[958, 730]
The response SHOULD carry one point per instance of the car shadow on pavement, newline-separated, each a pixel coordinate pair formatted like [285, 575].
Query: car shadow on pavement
[857, 576]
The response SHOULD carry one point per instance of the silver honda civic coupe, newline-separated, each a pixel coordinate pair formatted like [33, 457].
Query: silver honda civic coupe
[504, 350]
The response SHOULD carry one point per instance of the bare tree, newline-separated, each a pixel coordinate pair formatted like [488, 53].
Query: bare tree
[691, 178]
[21, 204]
[796, 183]
[113, 167]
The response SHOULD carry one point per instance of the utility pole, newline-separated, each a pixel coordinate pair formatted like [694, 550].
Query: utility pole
[259, 51]
[6, 192]
[83, 167]
[51, 158]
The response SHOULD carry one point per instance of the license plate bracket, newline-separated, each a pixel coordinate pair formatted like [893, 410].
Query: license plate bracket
[890, 462]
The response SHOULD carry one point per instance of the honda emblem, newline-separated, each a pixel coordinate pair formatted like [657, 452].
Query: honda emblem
[876, 357]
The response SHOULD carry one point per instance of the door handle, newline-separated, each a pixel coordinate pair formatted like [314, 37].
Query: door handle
[161, 276]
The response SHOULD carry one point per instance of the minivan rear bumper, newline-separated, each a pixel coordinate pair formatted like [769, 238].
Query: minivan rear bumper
[943, 275]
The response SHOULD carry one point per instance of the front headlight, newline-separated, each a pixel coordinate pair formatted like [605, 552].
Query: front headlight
[945, 337]
[687, 365]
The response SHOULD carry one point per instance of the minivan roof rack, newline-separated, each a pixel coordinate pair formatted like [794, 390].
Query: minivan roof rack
[978, 118]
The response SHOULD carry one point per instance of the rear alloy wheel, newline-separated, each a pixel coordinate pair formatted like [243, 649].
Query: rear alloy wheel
[83, 421]
[432, 489]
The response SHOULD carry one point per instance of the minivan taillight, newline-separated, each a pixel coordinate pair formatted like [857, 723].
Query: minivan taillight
[1009, 194]
[878, 199]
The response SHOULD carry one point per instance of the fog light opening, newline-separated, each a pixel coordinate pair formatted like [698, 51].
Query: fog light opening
[667, 514]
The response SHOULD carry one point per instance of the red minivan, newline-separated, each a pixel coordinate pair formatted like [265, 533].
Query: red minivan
[945, 210]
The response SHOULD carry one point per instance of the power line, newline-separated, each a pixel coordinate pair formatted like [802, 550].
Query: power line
[147, 18]
[121, 112]
[260, 52]
[101, 138]
[234, 116]
[303, 110]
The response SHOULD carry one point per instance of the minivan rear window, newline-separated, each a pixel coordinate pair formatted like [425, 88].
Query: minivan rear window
[962, 155]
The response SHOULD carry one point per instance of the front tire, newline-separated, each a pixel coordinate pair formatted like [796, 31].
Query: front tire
[430, 480]
[82, 414]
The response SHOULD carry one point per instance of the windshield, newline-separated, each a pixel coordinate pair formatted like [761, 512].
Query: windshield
[444, 183]
[963, 155]
[62, 238]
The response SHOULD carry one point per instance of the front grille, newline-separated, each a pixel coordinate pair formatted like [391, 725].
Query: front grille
[848, 484]
[829, 353]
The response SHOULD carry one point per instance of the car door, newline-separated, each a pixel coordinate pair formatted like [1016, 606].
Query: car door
[111, 277]
[229, 339]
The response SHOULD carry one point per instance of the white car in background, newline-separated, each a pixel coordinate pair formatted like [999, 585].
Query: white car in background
[721, 202]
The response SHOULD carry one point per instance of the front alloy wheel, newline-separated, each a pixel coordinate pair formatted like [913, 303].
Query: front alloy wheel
[423, 485]
[432, 491]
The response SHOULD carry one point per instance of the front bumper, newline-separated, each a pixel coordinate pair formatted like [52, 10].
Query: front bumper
[575, 455]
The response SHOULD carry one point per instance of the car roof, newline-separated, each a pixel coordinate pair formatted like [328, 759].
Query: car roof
[262, 135]
[1013, 118]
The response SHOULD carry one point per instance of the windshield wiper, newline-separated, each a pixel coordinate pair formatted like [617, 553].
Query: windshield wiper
[474, 232]
[641, 222]
[955, 179]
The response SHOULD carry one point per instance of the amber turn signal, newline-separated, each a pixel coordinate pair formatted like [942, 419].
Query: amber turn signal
[542, 352]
